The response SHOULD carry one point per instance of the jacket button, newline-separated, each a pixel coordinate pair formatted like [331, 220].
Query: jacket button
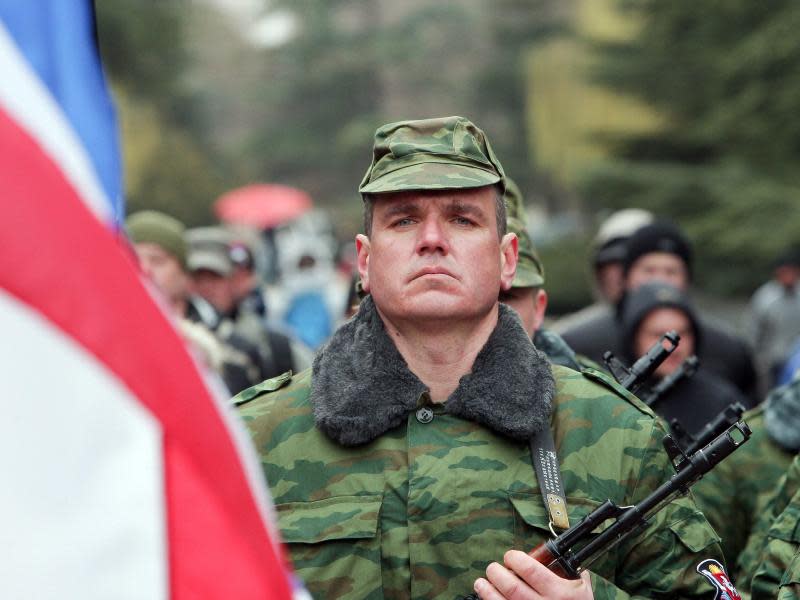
[425, 415]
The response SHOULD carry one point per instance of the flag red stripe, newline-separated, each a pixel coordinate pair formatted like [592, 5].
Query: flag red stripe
[59, 259]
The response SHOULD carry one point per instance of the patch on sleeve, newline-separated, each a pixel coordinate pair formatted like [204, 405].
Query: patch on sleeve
[715, 573]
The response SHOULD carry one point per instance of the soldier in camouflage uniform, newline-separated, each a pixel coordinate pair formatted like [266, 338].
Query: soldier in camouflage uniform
[734, 494]
[526, 295]
[772, 550]
[400, 464]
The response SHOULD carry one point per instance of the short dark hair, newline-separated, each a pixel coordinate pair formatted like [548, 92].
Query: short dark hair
[499, 212]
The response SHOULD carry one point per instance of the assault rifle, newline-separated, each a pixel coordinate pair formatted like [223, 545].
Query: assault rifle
[570, 553]
[686, 370]
[720, 423]
[631, 378]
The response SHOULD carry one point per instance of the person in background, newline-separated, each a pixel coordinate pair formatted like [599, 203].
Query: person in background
[247, 289]
[401, 462]
[527, 295]
[608, 258]
[270, 352]
[160, 246]
[651, 310]
[769, 567]
[661, 252]
[775, 317]
[735, 492]
[792, 365]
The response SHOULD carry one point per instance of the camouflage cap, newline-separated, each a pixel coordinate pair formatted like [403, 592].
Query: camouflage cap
[530, 271]
[431, 154]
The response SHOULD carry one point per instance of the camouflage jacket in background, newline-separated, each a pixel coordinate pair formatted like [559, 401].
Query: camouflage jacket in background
[735, 492]
[776, 542]
[419, 510]
[558, 351]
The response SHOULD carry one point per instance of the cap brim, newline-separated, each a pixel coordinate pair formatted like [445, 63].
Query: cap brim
[610, 254]
[431, 176]
[210, 262]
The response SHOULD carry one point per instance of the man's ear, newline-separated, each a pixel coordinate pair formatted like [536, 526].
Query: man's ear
[540, 304]
[509, 252]
[362, 251]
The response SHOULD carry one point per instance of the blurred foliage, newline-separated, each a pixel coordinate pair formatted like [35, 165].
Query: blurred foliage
[319, 99]
[355, 64]
[689, 109]
[724, 165]
[566, 264]
[169, 164]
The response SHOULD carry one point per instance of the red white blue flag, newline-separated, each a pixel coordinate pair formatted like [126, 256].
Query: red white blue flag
[121, 475]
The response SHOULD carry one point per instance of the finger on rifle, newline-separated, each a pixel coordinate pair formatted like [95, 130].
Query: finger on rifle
[543, 581]
[503, 583]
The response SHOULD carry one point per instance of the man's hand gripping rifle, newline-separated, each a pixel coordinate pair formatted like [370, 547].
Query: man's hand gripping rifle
[570, 553]
[574, 550]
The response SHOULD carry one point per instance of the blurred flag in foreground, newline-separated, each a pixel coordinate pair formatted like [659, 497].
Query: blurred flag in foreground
[120, 475]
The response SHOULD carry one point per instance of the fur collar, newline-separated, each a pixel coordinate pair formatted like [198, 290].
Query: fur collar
[782, 415]
[361, 386]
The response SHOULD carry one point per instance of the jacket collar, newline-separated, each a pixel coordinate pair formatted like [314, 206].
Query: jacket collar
[362, 387]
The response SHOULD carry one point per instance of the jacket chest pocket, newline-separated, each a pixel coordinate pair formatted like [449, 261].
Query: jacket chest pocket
[335, 545]
[532, 525]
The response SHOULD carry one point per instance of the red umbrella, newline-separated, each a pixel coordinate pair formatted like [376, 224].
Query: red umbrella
[262, 205]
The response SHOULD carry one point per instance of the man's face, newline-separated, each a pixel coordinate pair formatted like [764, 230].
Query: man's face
[243, 280]
[610, 279]
[658, 266]
[787, 275]
[164, 270]
[214, 288]
[530, 304]
[436, 255]
[657, 323]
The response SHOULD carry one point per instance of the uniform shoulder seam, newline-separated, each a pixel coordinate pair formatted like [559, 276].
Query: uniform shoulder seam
[608, 382]
[265, 387]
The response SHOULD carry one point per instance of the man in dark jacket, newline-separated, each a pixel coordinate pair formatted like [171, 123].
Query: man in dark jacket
[650, 311]
[661, 252]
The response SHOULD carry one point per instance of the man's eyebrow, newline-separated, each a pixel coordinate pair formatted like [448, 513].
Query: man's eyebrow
[401, 208]
[465, 208]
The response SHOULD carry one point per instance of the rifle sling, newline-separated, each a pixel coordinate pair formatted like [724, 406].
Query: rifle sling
[548, 473]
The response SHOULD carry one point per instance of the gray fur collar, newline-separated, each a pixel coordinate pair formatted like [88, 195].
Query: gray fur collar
[782, 415]
[361, 386]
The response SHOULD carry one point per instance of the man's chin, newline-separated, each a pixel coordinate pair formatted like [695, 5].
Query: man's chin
[435, 307]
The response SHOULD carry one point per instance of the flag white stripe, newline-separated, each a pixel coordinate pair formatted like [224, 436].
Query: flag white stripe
[82, 498]
[30, 103]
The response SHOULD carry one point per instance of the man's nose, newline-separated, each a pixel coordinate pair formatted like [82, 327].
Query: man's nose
[433, 237]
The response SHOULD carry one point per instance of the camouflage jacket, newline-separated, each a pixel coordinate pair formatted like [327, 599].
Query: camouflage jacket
[776, 541]
[733, 494]
[382, 494]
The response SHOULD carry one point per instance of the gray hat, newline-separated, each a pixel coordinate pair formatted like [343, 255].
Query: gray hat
[209, 250]
[431, 154]
[609, 243]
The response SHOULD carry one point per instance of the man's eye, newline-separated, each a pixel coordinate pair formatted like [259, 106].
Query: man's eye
[462, 220]
[403, 222]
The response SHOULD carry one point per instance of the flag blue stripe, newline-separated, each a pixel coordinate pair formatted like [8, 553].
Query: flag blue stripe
[58, 39]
